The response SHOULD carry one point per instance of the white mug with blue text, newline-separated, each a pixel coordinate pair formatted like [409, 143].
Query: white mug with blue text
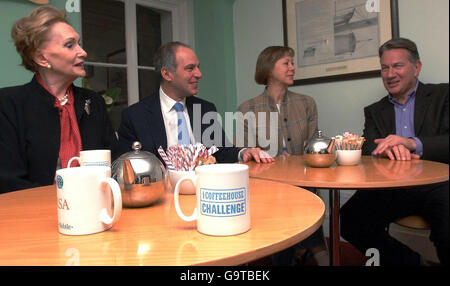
[88, 200]
[93, 158]
[223, 199]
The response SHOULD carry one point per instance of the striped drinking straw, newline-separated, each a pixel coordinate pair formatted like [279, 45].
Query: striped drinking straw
[165, 158]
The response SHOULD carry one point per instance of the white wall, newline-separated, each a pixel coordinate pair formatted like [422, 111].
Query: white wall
[426, 23]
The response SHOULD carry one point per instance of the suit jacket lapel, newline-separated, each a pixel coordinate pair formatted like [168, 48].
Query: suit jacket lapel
[190, 110]
[155, 121]
[386, 117]
[420, 107]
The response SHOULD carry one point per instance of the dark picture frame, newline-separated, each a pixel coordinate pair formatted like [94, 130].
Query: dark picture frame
[336, 40]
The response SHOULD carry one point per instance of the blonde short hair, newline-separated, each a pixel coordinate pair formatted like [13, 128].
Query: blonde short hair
[30, 32]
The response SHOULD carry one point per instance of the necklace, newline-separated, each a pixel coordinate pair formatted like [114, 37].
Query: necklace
[63, 100]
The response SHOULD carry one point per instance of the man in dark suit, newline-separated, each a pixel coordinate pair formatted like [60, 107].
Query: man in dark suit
[155, 122]
[410, 123]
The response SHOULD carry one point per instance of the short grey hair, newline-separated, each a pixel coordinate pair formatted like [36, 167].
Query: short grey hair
[401, 43]
[165, 56]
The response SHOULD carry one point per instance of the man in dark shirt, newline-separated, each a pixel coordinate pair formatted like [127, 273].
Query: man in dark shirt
[410, 123]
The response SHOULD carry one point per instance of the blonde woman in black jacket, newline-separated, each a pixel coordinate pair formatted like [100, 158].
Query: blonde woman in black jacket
[47, 121]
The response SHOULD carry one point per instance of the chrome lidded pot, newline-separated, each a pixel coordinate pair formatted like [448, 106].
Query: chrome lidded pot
[141, 176]
[319, 151]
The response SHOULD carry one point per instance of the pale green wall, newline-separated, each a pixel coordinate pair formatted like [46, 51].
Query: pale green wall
[11, 73]
[214, 45]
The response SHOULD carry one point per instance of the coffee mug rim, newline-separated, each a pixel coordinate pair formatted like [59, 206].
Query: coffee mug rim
[350, 151]
[212, 168]
[77, 169]
[94, 150]
[181, 171]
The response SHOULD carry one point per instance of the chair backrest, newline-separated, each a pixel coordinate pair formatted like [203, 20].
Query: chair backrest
[416, 222]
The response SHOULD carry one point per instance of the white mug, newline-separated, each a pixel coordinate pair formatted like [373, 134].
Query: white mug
[223, 202]
[187, 188]
[84, 200]
[348, 157]
[93, 158]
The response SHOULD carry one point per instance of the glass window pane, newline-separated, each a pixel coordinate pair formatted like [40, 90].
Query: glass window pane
[103, 24]
[111, 83]
[148, 83]
[148, 22]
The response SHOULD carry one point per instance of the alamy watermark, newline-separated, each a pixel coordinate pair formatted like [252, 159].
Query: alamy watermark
[74, 257]
[252, 129]
[73, 6]
[374, 257]
[373, 6]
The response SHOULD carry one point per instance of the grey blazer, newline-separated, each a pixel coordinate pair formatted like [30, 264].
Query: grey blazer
[297, 121]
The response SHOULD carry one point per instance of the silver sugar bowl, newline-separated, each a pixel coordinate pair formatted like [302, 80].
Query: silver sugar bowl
[141, 176]
[319, 151]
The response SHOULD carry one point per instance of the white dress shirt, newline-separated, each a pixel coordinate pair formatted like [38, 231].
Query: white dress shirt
[170, 118]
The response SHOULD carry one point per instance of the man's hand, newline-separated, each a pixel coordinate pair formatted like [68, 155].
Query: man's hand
[256, 154]
[396, 148]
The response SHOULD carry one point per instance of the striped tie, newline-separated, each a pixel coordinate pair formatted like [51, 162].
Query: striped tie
[183, 134]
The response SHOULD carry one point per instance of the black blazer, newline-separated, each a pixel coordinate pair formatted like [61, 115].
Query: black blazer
[430, 121]
[143, 122]
[30, 133]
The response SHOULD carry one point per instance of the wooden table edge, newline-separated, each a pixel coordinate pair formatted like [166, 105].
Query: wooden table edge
[265, 251]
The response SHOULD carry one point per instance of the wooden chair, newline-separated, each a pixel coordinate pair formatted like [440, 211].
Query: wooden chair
[419, 223]
[415, 222]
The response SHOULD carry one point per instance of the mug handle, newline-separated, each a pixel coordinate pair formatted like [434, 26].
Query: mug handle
[117, 196]
[73, 158]
[194, 215]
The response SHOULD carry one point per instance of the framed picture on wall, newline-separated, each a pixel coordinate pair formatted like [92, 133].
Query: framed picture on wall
[337, 39]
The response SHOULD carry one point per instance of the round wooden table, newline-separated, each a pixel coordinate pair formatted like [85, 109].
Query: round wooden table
[370, 174]
[281, 216]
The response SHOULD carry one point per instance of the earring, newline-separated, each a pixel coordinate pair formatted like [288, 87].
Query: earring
[49, 66]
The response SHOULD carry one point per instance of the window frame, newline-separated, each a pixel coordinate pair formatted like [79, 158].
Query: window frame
[182, 24]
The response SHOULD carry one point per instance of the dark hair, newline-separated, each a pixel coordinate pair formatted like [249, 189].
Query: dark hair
[30, 32]
[266, 61]
[401, 43]
[165, 56]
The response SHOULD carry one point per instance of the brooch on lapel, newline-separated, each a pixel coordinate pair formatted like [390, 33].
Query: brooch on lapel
[87, 106]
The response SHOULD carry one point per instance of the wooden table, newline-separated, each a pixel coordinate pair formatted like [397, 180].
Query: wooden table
[281, 216]
[372, 173]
